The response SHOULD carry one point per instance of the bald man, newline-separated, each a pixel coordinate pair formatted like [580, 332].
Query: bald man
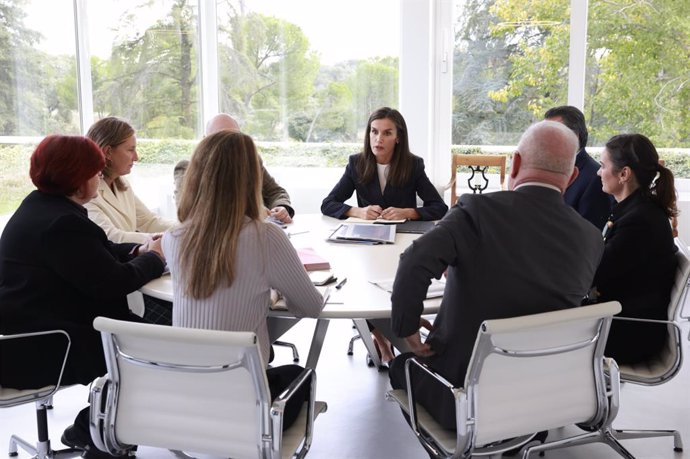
[505, 254]
[276, 199]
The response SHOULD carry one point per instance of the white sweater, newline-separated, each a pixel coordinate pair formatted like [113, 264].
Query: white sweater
[265, 259]
[123, 217]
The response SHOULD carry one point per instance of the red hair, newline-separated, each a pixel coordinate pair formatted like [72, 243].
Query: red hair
[60, 164]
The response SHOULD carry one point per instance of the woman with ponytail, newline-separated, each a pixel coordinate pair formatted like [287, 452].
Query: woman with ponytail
[639, 262]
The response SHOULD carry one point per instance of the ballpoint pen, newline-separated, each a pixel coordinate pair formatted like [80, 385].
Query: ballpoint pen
[341, 283]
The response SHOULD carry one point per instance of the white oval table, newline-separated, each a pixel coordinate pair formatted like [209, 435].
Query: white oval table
[358, 299]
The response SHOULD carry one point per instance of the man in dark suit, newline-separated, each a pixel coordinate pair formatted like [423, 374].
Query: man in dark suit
[505, 254]
[276, 199]
[584, 194]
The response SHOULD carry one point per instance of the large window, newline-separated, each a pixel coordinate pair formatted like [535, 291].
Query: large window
[144, 65]
[638, 71]
[302, 76]
[511, 64]
[301, 71]
[38, 86]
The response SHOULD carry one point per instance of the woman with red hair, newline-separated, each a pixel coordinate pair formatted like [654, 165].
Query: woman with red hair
[58, 270]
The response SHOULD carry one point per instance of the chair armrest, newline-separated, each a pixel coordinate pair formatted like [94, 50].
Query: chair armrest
[97, 413]
[19, 396]
[613, 384]
[411, 402]
[308, 375]
[651, 321]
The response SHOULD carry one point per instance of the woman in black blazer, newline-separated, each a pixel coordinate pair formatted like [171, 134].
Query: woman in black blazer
[639, 263]
[59, 271]
[386, 176]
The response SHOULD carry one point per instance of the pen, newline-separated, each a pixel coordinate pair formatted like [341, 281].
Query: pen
[341, 283]
[294, 233]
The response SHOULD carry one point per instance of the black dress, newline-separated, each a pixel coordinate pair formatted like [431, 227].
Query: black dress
[59, 271]
[637, 270]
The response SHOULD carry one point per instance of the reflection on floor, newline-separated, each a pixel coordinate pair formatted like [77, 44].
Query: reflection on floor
[361, 424]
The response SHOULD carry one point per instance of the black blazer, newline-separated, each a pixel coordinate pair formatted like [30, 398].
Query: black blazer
[58, 270]
[508, 253]
[370, 193]
[585, 194]
[637, 269]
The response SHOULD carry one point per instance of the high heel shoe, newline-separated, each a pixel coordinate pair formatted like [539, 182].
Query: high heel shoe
[384, 365]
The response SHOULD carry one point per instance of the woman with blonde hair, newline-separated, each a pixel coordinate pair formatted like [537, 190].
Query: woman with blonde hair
[116, 209]
[224, 259]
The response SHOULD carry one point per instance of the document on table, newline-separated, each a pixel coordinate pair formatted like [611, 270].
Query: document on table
[363, 234]
[435, 289]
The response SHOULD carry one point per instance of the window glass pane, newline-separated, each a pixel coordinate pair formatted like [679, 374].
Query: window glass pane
[637, 71]
[38, 87]
[37, 68]
[145, 66]
[510, 65]
[287, 73]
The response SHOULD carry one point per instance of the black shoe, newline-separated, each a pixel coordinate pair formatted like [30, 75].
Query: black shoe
[74, 438]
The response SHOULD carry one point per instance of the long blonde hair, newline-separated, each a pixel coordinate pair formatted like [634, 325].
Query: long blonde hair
[222, 187]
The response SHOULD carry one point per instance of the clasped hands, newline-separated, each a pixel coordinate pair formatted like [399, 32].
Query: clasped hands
[414, 341]
[152, 244]
[389, 213]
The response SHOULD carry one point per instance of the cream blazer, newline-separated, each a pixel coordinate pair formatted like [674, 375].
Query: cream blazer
[123, 217]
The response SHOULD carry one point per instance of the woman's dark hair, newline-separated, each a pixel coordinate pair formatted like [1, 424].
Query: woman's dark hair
[62, 163]
[638, 153]
[402, 162]
[573, 118]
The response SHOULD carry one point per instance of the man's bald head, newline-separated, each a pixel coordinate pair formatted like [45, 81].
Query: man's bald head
[221, 122]
[546, 153]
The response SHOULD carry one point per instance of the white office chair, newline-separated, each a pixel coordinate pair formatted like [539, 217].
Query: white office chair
[527, 374]
[664, 366]
[42, 397]
[192, 390]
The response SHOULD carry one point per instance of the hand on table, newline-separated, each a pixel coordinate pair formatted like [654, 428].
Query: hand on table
[280, 213]
[153, 244]
[370, 212]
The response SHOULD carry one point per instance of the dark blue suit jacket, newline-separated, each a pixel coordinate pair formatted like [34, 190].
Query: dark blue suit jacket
[370, 193]
[585, 194]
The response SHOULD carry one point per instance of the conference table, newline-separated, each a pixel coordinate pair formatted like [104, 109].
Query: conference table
[359, 299]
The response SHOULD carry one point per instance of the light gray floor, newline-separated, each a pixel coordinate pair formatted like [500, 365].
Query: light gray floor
[361, 424]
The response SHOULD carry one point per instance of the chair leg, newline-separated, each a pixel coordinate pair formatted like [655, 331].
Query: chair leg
[295, 354]
[603, 436]
[610, 440]
[625, 434]
[42, 449]
[352, 342]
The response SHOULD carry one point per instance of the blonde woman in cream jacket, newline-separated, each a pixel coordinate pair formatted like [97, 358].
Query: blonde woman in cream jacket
[116, 209]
